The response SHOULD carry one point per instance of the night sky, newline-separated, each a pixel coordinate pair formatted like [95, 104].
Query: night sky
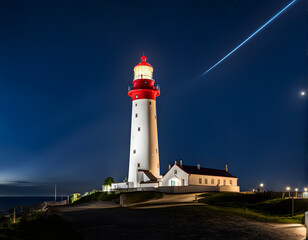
[65, 67]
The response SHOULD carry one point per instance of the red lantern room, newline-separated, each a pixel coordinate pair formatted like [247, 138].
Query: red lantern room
[143, 83]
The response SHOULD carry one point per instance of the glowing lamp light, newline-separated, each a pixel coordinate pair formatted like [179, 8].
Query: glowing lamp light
[296, 189]
[305, 189]
[143, 70]
[261, 185]
[303, 93]
[288, 188]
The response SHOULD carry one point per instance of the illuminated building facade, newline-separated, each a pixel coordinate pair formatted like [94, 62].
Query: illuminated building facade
[144, 155]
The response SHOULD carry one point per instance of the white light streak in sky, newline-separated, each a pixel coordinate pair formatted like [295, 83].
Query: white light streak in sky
[251, 36]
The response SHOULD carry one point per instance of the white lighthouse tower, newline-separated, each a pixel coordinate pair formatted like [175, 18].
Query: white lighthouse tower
[144, 155]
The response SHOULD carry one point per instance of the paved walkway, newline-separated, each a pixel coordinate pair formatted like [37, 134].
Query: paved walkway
[107, 220]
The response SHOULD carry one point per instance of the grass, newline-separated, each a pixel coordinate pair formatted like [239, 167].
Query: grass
[138, 197]
[39, 226]
[97, 196]
[257, 206]
[260, 216]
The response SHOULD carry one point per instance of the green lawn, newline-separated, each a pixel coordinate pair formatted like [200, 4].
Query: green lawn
[257, 206]
[39, 226]
[138, 197]
[97, 196]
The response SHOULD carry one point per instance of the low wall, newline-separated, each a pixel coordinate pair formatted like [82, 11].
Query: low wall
[187, 189]
[229, 189]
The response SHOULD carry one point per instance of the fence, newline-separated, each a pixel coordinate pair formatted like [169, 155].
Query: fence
[18, 211]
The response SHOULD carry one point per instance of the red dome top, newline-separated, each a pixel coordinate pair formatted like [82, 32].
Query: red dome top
[143, 62]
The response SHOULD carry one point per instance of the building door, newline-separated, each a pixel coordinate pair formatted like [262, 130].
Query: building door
[172, 183]
[183, 182]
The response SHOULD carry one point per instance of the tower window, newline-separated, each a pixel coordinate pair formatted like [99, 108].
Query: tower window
[175, 171]
[138, 164]
[155, 116]
[150, 103]
[136, 96]
[136, 115]
[156, 150]
[145, 82]
[135, 104]
[139, 129]
[134, 151]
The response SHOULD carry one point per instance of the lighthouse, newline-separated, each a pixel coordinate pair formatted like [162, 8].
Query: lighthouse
[144, 155]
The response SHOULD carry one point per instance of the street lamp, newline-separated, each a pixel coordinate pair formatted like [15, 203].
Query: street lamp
[304, 194]
[261, 186]
[296, 189]
[288, 189]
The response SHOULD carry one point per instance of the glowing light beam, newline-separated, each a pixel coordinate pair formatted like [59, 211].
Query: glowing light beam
[247, 39]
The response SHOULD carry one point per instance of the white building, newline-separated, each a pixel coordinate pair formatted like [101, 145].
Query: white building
[196, 178]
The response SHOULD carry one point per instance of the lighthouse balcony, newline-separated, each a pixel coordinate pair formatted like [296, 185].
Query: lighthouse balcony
[157, 87]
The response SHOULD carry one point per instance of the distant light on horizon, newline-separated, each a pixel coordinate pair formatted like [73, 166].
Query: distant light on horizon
[303, 93]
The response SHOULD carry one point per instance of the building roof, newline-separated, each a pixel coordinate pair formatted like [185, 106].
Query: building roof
[143, 62]
[149, 175]
[205, 171]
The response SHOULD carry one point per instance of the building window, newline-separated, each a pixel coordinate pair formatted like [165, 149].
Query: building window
[205, 181]
[200, 181]
[136, 96]
[175, 171]
[224, 182]
[138, 164]
[212, 181]
[218, 181]
[183, 182]
[230, 182]
[139, 129]
[136, 115]
[134, 151]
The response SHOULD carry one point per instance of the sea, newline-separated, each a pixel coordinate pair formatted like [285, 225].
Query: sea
[9, 202]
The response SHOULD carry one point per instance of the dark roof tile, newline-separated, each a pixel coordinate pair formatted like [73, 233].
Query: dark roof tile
[206, 171]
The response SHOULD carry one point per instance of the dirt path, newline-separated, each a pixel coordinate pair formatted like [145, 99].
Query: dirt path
[109, 221]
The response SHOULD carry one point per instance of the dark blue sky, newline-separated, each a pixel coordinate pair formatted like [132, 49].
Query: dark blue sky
[65, 67]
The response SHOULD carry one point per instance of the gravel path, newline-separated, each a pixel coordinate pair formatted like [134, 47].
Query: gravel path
[109, 221]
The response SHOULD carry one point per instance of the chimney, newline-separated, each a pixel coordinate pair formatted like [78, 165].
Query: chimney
[198, 166]
[175, 162]
[226, 168]
[169, 165]
[181, 161]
